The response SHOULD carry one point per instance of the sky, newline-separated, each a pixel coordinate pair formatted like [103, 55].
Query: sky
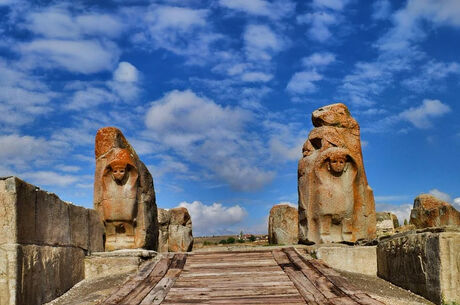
[216, 96]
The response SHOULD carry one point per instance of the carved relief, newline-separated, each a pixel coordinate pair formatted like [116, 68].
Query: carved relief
[124, 193]
[335, 202]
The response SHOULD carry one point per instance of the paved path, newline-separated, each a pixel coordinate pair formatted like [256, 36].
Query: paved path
[280, 276]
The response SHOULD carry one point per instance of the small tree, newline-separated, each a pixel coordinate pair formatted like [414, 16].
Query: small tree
[405, 222]
[230, 240]
[252, 238]
[223, 242]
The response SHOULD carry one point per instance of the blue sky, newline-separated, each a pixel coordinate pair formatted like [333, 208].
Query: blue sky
[216, 96]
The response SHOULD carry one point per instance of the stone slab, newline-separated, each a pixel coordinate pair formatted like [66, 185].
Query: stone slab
[101, 264]
[43, 242]
[356, 259]
[38, 274]
[427, 262]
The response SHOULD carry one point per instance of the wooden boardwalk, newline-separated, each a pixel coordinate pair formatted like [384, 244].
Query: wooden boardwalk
[280, 276]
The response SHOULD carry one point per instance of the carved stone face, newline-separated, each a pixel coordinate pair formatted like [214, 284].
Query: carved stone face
[337, 164]
[119, 173]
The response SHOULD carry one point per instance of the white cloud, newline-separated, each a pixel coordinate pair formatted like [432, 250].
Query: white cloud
[68, 168]
[126, 72]
[200, 131]
[430, 73]
[273, 10]
[317, 60]
[59, 22]
[179, 115]
[401, 211]
[456, 203]
[420, 116]
[90, 97]
[261, 43]
[22, 96]
[320, 22]
[49, 178]
[20, 150]
[214, 219]
[80, 56]
[441, 195]
[289, 204]
[180, 30]
[408, 22]
[303, 82]
[256, 77]
[337, 5]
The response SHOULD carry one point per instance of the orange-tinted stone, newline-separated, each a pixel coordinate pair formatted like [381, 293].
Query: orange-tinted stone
[335, 201]
[124, 194]
[429, 211]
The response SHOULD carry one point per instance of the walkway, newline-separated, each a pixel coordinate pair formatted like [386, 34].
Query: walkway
[280, 276]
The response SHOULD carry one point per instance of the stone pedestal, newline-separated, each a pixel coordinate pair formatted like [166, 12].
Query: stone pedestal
[101, 264]
[427, 262]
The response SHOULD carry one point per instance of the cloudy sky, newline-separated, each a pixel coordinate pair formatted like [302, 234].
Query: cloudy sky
[216, 96]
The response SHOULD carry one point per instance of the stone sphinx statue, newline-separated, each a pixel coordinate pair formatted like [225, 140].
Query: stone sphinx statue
[335, 202]
[123, 194]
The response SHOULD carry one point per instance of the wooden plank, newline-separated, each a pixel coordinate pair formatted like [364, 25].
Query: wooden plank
[161, 289]
[307, 290]
[318, 279]
[365, 299]
[151, 270]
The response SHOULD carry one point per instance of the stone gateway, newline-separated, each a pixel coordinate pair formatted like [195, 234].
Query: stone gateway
[335, 202]
[124, 194]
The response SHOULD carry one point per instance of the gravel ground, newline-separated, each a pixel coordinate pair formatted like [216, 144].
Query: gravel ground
[384, 291]
[91, 291]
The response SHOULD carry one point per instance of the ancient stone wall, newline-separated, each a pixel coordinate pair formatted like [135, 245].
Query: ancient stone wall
[175, 226]
[43, 242]
[386, 222]
[427, 262]
[335, 201]
[283, 225]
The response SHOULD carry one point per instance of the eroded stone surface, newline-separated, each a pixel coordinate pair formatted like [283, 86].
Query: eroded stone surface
[429, 211]
[386, 222]
[283, 225]
[335, 201]
[124, 194]
[356, 259]
[175, 230]
[43, 241]
[426, 262]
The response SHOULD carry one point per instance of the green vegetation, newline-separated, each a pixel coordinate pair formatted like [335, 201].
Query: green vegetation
[252, 238]
[222, 242]
[239, 240]
[207, 243]
[405, 222]
[230, 240]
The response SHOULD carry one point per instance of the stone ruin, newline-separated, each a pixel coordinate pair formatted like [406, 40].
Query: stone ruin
[283, 225]
[124, 194]
[175, 230]
[429, 211]
[386, 222]
[336, 204]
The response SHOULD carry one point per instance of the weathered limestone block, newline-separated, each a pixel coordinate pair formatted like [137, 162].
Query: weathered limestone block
[358, 259]
[124, 194]
[429, 211]
[386, 222]
[427, 262]
[43, 241]
[335, 201]
[175, 230]
[101, 264]
[283, 225]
